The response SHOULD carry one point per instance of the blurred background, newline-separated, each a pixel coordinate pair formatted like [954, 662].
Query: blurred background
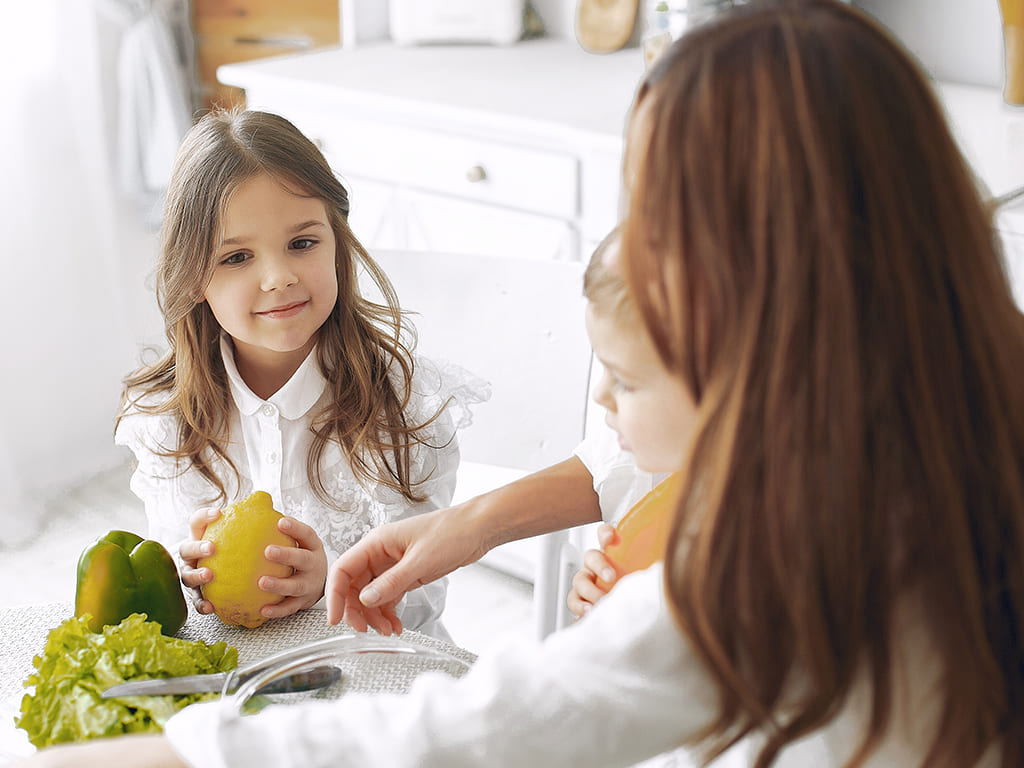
[97, 94]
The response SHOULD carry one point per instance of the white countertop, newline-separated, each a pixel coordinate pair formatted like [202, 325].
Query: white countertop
[542, 85]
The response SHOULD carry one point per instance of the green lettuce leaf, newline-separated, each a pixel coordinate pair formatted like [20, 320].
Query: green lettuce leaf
[77, 665]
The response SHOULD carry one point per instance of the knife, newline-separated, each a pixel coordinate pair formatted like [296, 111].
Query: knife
[319, 677]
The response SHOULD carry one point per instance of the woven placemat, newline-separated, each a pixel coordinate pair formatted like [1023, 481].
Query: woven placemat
[23, 634]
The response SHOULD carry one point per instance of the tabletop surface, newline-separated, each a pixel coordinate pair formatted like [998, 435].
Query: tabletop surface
[23, 634]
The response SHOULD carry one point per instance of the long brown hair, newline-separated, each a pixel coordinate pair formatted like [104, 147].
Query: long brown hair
[363, 349]
[813, 256]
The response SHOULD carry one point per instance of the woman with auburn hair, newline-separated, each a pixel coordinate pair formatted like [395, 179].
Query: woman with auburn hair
[811, 255]
[825, 315]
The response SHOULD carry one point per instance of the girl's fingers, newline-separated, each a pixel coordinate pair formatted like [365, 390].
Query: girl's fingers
[286, 607]
[606, 535]
[194, 578]
[204, 607]
[299, 559]
[584, 593]
[191, 551]
[594, 560]
[200, 519]
[303, 534]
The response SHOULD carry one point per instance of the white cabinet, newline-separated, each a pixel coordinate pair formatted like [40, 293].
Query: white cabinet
[440, 192]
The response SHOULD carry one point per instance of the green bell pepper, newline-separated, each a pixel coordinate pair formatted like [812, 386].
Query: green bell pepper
[120, 574]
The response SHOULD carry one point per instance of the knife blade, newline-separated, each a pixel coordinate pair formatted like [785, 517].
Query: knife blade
[319, 677]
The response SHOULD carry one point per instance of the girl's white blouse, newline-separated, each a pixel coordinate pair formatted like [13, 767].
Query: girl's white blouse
[268, 444]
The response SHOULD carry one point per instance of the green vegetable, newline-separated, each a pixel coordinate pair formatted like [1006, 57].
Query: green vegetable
[120, 574]
[77, 665]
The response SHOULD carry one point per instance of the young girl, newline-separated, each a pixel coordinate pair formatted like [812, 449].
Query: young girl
[823, 295]
[279, 375]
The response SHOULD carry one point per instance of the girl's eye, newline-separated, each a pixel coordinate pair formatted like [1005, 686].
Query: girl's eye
[617, 385]
[303, 243]
[235, 258]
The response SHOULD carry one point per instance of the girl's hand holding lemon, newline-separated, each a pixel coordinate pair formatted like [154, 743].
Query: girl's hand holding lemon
[269, 565]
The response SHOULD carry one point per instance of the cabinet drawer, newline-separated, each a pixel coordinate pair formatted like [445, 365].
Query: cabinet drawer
[482, 171]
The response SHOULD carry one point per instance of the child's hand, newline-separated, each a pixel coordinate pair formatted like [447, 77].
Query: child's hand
[190, 551]
[586, 590]
[309, 563]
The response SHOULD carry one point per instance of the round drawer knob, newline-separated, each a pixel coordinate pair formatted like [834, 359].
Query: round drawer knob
[476, 174]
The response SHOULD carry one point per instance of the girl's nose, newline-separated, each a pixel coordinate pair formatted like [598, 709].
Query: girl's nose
[277, 274]
[602, 392]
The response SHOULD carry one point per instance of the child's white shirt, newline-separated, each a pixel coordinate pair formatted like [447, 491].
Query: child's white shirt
[268, 444]
[618, 481]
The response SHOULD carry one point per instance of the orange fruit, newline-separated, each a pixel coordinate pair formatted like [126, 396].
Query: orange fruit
[643, 531]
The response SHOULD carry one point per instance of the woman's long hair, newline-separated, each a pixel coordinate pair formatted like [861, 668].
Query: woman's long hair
[813, 256]
[363, 348]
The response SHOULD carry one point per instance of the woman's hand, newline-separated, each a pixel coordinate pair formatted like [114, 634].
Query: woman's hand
[191, 551]
[367, 581]
[309, 563]
[588, 585]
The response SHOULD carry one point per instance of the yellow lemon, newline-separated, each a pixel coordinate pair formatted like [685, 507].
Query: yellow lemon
[241, 534]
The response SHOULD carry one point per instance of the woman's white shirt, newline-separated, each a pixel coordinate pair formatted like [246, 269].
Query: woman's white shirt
[621, 685]
[268, 443]
[610, 690]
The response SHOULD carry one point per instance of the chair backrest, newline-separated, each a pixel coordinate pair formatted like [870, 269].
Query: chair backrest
[518, 324]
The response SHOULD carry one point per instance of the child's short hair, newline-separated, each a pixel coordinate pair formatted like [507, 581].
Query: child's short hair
[603, 284]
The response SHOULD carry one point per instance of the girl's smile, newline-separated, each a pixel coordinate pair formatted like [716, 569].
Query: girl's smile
[285, 310]
[275, 283]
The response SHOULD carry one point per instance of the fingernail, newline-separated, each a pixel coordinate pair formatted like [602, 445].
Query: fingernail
[273, 551]
[607, 574]
[206, 548]
[369, 596]
[212, 514]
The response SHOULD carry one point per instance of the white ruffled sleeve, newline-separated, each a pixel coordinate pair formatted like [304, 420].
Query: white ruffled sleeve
[169, 496]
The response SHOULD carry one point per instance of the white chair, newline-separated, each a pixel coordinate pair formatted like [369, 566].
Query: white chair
[517, 323]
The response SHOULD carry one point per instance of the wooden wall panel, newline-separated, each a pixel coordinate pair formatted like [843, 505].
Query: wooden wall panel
[227, 31]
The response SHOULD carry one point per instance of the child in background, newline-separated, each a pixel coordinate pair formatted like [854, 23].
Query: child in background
[819, 280]
[611, 316]
[600, 481]
[280, 376]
